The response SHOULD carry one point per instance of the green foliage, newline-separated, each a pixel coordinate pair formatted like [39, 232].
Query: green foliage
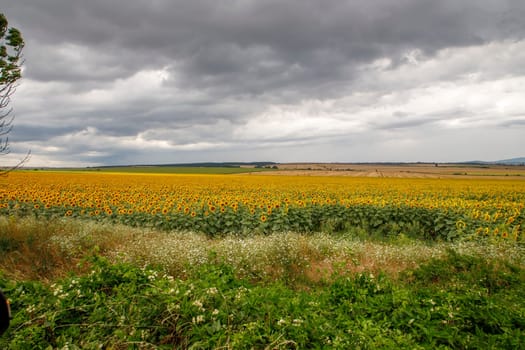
[11, 45]
[465, 271]
[120, 306]
[368, 221]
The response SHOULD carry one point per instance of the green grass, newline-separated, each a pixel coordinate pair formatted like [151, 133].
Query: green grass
[165, 170]
[122, 306]
[84, 285]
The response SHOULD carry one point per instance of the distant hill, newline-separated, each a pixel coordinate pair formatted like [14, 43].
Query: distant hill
[511, 161]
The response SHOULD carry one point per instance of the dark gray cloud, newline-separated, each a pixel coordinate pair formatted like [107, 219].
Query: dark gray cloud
[214, 39]
[125, 79]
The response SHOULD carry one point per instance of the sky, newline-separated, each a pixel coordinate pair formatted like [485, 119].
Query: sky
[109, 82]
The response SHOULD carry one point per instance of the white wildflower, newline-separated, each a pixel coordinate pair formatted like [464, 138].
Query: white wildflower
[212, 291]
[199, 304]
[297, 322]
[198, 319]
[31, 308]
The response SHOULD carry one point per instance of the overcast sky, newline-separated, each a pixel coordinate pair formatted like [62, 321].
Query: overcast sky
[174, 81]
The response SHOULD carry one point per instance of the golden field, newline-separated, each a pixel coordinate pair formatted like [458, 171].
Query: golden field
[216, 204]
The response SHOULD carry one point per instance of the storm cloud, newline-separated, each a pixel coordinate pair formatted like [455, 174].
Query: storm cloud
[161, 81]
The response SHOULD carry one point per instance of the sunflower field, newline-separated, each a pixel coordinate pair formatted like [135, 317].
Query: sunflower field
[98, 260]
[436, 209]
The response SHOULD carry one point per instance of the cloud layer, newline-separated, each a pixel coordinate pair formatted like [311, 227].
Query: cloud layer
[134, 82]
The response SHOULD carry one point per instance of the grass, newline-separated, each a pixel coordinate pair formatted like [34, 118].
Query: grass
[80, 284]
[278, 256]
[166, 170]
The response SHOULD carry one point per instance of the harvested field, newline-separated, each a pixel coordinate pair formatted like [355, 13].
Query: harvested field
[416, 170]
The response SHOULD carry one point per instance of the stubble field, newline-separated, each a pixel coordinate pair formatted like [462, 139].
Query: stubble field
[408, 170]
